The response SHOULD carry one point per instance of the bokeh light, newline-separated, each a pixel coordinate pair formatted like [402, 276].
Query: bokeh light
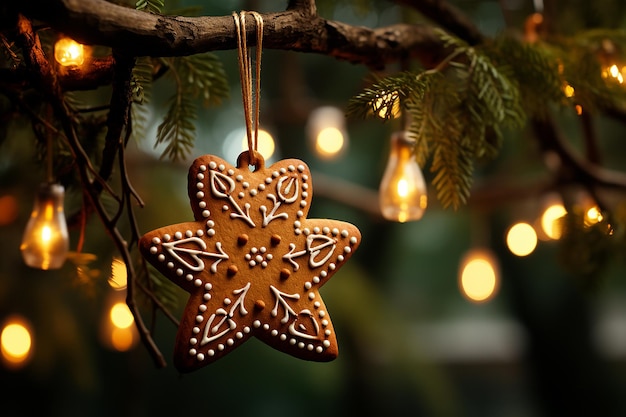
[550, 220]
[118, 278]
[479, 275]
[16, 342]
[521, 239]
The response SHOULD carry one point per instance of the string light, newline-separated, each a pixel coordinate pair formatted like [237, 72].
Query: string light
[69, 52]
[45, 242]
[479, 275]
[550, 220]
[402, 192]
[326, 132]
[521, 239]
[16, 342]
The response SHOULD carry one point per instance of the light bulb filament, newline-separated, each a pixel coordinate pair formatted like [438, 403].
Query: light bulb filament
[402, 191]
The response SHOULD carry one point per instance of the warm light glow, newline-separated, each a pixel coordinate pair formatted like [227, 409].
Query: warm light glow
[479, 277]
[265, 144]
[326, 132]
[402, 192]
[45, 242]
[69, 52]
[579, 109]
[568, 90]
[15, 342]
[614, 72]
[593, 216]
[550, 221]
[521, 239]
[329, 142]
[122, 339]
[118, 277]
[120, 315]
[383, 111]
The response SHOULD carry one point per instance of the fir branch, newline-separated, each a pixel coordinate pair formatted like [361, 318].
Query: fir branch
[150, 6]
[178, 128]
[457, 112]
[196, 77]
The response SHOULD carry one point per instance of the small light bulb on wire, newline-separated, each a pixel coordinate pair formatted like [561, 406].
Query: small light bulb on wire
[45, 242]
[402, 192]
[69, 52]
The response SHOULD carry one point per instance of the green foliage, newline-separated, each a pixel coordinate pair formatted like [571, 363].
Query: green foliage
[152, 6]
[196, 77]
[458, 110]
[535, 68]
[455, 112]
[141, 87]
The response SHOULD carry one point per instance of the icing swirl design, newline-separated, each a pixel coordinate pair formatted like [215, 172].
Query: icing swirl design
[251, 261]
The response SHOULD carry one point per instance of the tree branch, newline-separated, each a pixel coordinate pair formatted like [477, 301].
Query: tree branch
[299, 29]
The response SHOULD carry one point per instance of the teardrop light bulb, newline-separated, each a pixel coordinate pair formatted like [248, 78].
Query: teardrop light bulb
[45, 242]
[69, 52]
[402, 192]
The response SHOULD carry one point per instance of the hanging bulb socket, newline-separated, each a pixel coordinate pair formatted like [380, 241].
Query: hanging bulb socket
[45, 242]
[402, 192]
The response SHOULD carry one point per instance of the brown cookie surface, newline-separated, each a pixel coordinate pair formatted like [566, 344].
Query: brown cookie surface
[252, 261]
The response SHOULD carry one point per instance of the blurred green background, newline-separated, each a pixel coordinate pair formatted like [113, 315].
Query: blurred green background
[410, 343]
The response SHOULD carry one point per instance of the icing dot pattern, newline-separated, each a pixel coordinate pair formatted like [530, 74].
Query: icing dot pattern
[293, 255]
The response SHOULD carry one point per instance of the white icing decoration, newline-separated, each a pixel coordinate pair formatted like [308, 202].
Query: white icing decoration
[297, 332]
[202, 168]
[281, 301]
[227, 317]
[313, 251]
[222, 186]
[173, 249]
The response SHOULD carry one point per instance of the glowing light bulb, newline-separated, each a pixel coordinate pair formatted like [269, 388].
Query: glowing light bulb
[550, 220]
[592, 216]
[326, 132]
[69, 52]
[15, 342]
[521, 239]
[45, 242]
[402, 192]
[478, 275]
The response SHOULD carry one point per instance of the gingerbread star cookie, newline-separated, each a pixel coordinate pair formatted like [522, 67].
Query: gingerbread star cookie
[251, 261]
